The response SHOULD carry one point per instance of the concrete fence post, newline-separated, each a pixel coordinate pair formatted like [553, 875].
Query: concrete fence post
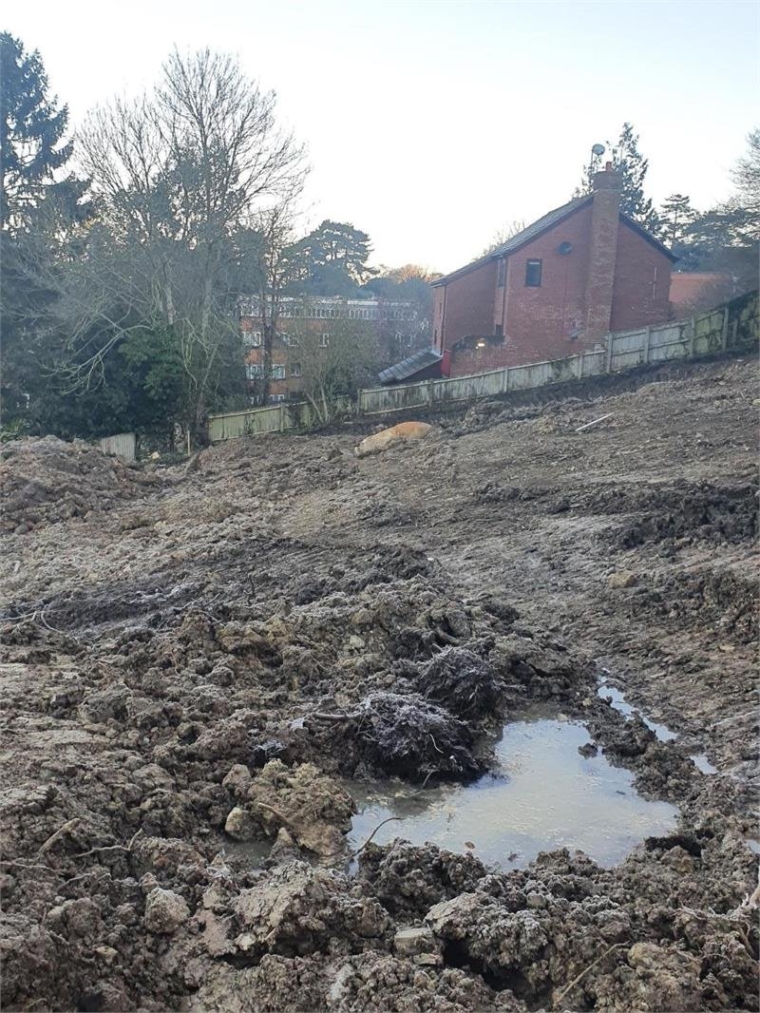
[579, 360]
[647, 343]
[610, 342]
[430, 392]
[724, 330]
[283, 417]
[692, 336]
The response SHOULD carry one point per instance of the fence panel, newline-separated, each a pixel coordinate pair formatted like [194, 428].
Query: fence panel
[594, 363]
[393, 399]
[254, 422]
[123, 445]
[464, 388]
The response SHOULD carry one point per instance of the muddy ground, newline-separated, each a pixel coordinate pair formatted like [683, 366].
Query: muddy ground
[193, 659]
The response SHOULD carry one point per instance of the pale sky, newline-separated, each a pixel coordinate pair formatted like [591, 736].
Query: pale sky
[432, 123]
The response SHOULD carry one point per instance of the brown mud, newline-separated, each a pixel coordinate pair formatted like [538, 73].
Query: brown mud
[192, 664]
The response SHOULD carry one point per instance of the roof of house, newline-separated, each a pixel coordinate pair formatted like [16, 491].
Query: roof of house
[409, 366]
[542, 225]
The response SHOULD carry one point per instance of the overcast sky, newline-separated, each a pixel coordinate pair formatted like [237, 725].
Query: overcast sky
[431, 123]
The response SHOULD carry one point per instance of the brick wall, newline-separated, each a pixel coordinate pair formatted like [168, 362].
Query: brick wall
[540, 322]
[641, 294]
[468, 304]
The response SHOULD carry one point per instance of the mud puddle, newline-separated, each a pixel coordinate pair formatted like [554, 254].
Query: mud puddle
[542, 795]
[663, 733]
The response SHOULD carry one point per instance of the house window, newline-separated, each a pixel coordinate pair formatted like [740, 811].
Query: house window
[533, 273]
[278, 373]
[276, 398]
[502, 279]
[295, 369]
[254, 370]
[324, 339]
[252, 339]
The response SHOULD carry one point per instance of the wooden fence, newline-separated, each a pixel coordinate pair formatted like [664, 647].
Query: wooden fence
[734, 325]
[277, 418]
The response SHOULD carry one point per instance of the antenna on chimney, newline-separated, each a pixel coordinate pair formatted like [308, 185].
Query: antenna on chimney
[596, 153]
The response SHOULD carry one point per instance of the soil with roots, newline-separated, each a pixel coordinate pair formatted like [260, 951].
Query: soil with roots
[195, 661]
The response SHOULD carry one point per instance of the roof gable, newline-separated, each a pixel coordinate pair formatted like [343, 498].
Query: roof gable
[542, 225]
[648, 236]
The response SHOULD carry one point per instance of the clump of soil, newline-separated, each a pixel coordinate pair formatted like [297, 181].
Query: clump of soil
[47, 480]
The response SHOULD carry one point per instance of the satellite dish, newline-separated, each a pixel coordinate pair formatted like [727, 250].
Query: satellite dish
[598, 149]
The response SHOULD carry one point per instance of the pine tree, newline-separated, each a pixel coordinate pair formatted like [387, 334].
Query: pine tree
[32, 130]
[676, 215]
[632, 166]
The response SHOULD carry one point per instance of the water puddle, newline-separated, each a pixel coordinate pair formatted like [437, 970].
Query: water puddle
[663, 733]
[619, 702]
[543, 795]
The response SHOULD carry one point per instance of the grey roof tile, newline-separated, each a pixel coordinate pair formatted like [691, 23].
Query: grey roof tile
[409, 366]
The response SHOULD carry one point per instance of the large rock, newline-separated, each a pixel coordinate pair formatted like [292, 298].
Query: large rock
[403, 432]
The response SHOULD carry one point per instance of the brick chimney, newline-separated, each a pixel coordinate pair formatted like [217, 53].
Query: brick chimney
[601, 269]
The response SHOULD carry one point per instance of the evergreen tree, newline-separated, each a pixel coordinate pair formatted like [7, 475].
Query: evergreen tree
[331, 260]
[632, 166]
[32, 131]
[38, 218]
[676, 215]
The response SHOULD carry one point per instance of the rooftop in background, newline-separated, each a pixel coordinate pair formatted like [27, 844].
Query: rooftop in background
[333, 308]
[410, 366]
[691, 292]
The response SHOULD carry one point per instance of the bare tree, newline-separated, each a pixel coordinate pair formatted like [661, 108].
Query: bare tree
[334, 363]
[178, 174]
[508, 231]
[746, 175]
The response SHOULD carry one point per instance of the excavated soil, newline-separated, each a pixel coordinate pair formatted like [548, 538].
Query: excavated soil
[197, 663]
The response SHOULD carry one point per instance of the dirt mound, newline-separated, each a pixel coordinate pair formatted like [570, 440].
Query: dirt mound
[47, 480]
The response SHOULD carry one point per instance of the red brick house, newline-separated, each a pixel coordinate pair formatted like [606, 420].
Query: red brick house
[554, 289]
